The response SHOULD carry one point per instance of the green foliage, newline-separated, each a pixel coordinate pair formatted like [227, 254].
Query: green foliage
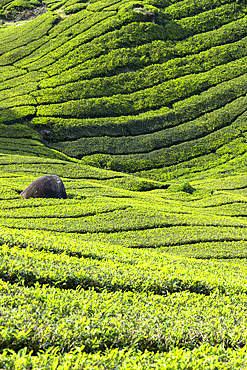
[147, 77]
[124, 93]
[157, 52]
[74, 8]
[62, 311]
[70, 34]
[131, 271]
[27, 147]
[18, 131]
[177, 10]
[145, 278]
[204, 22]
[163, 94]
[14, 48]
[11, 115]
[9, 8]
[187, 188]
[158, 275]
[168, 137]
[183, 111]
[203, 357]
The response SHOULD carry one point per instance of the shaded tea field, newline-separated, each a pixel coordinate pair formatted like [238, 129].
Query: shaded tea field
[128, 272]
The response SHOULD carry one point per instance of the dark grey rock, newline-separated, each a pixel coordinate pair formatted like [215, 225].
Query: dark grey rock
[48, 186]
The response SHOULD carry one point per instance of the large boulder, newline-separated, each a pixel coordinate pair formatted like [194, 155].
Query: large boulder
[48, 186]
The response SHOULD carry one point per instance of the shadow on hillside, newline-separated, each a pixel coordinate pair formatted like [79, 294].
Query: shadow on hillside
[174, 31]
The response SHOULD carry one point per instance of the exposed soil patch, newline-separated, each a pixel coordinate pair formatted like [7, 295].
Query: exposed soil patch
[25, 15]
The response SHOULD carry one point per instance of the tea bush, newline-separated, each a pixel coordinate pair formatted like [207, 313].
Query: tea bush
[144, 265]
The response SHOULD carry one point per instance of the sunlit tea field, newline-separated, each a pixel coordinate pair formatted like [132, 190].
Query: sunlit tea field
[126, 273]
[140, 107]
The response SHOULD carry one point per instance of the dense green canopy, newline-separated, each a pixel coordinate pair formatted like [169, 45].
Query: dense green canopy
[108, 82]
[140, 107]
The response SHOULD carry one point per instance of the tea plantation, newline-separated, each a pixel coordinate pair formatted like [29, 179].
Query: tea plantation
[140, 107]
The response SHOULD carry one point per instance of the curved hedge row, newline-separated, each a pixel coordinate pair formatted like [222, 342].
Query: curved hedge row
[155, 74]
[149, 122]
[168, 137]
[163, 94]
[126, 85]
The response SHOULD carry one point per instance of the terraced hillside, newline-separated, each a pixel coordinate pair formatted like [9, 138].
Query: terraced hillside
[126, 273]
[124, 85]
[140, 108]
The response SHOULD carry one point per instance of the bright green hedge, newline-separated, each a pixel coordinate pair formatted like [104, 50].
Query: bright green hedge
[205, 21]
[65, 41]
[201, 358]
[192, 130]
[66, 320]
[186, 8]
[27, 147]
[175, 154]
[9, 72]
[160, 275]
[129, 82]
[155, 52]
[33, 34]
[183, 111]
[15, 84]
[18, 131]
[163, 94]
[59, 35]
[16, 113]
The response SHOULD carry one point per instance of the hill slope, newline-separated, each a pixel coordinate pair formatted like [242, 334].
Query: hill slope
[124, 274]
[144, 265]
[108, 82]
